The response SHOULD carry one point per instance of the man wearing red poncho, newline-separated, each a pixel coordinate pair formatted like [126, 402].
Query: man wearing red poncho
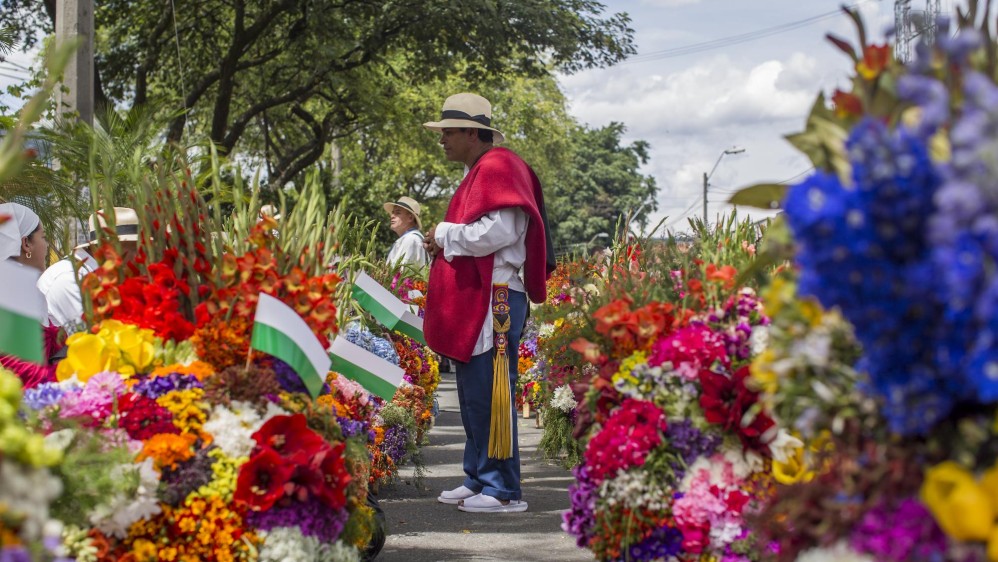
[476, 304]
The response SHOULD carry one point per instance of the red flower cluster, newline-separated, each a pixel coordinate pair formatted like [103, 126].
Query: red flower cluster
[626, 438]
[155, 302]
[292, 463]
[142, 417]
[728, 402]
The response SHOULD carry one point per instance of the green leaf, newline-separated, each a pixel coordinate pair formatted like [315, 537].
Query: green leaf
[762, 196]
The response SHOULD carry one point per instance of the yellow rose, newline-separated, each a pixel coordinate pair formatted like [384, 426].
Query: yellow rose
[86, 355]
[960, 505]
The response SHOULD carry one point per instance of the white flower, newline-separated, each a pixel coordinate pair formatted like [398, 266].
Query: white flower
[117, 515]
[59, 439]
[784, 445]
[546, 330]
[840, 552]
[232, 427]
[814, 349]
[563, 399]
[287, 544]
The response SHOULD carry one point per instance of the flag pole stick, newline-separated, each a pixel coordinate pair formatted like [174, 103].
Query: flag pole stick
[249, 358]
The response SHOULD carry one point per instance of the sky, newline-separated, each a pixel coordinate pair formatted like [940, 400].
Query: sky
[691, 108]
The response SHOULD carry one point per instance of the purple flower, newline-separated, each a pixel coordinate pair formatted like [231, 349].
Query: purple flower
[394, 444]
[906, 532]
[154, 387]
[312, 517]
[662, 544]
[580, 519]
[690, 443]
[43, 395]
[352, 428]
[188, 476]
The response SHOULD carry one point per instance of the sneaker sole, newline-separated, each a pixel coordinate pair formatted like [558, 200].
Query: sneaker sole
[451, 501]
[518, 508]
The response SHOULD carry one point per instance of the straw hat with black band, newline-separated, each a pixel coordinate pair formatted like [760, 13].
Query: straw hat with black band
[126, 226]
[407, 204]
[467, 111]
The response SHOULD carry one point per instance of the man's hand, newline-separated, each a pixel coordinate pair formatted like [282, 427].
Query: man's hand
[430, 243]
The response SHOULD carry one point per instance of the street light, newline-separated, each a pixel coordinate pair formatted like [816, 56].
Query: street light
[706, 176]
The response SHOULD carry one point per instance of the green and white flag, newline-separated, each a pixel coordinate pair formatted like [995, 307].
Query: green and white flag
[22, 313]
[372, 372]
[281, 332]
[387, 308]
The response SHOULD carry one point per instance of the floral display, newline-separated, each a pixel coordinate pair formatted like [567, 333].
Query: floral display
[881, 353]
[676, 450]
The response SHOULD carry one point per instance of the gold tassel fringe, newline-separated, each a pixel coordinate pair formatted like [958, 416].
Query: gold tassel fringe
[501, 423]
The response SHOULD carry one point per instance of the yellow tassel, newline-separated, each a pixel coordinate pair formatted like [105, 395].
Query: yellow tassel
[501, 423]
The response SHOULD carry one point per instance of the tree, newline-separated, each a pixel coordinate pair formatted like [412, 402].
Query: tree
[280, 79]
[601, 186]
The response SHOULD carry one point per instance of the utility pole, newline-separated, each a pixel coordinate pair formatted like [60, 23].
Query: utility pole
[75, 18]
[705, 197]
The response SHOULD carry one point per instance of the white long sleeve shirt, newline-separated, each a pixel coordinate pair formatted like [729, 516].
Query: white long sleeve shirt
[61, 288]
[502, 233]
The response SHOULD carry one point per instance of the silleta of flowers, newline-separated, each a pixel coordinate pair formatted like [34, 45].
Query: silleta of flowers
[895, 233]
[177, 443]
[678, 450]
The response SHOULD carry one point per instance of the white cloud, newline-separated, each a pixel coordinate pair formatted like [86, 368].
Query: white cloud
[669, 3]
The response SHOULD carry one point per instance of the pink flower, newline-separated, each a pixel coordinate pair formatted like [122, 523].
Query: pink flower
[626, 438]
[689, 350]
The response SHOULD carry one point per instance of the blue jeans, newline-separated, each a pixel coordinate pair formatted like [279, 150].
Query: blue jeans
[492, 477]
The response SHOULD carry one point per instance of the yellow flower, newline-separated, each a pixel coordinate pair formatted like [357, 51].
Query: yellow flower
[136, 346]
[764, 377]
[144, 549]
[86, 355]
[795, 469]
[961, 506]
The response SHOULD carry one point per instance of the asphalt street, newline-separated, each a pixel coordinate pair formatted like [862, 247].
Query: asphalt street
[422, 530]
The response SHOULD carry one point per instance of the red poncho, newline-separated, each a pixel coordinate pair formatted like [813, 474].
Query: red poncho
[460, 290]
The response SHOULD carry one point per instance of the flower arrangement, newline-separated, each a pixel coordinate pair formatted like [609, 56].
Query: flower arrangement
[892, 235]
[676, 449]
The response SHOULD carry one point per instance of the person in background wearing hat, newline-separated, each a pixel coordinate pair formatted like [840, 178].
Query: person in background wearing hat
[22, 241]
[477, 302]
[405, 223]
[61, 282]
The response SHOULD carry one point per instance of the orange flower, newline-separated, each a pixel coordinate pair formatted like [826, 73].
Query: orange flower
[846, 104]
[168, 449]
[725, 275]
[875, 60]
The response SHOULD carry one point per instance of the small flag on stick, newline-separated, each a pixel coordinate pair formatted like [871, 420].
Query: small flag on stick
[22, 313]
[387, 308]
[372, 372]
[281, 332]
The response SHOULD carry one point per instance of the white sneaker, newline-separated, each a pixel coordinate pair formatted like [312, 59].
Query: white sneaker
[480, 503]
[453, 497]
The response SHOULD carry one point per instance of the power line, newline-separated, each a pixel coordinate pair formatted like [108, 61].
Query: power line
[735, 39]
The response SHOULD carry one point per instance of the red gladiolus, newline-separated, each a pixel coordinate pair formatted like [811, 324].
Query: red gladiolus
[262, 479]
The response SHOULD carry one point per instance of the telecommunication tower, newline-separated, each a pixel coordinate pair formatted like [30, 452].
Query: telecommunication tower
[911, 25]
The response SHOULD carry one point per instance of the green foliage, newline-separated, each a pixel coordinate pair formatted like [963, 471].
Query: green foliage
[87, 482]
[277, 80]
[600, 187]
[557, 442]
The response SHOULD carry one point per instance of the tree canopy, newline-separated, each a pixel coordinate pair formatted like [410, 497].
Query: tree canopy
[278, 80]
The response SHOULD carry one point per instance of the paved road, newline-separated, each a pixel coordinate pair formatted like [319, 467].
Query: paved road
[422, 530]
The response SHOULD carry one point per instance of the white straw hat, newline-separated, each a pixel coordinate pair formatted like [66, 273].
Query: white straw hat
[407, 204]
[126, 226]
[467, 111]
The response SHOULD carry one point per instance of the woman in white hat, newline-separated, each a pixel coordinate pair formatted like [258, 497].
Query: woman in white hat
[405, 223]
[22, 241]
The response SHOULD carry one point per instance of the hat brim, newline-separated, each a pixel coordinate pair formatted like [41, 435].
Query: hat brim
[388, 208]
[439, 126]
[121, 238]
